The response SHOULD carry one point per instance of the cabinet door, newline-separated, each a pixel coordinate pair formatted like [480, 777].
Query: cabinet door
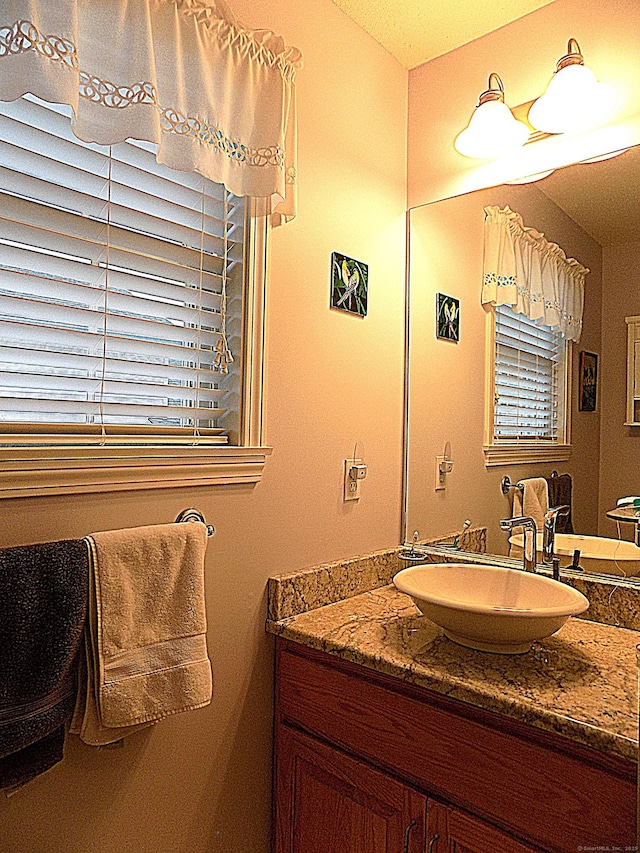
[327, 802]
[450, 830]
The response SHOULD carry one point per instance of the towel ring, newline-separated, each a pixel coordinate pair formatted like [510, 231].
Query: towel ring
[195, 515]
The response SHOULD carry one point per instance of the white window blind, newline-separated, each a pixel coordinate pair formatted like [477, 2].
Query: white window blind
[529, 380]
[121, 288]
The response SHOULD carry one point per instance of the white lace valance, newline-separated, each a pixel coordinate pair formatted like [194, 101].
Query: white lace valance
[524, 270]
[215, 97]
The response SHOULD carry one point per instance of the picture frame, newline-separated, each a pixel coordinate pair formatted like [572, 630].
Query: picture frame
[588, 382]
[349, 284]
[447, 317]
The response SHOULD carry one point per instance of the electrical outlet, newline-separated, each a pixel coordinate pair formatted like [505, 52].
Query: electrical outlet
[441, 477]
[354, 473]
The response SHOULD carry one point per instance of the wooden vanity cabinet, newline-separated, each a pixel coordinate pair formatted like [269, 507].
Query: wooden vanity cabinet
[365, 763]
[326, 800]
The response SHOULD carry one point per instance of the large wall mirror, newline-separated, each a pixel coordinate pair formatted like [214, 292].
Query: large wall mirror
[592, 211]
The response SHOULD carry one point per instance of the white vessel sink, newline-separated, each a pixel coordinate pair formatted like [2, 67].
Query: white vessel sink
[490, 608]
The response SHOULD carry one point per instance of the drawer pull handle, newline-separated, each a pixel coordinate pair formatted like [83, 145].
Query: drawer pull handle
[407, 832]
[432, 842]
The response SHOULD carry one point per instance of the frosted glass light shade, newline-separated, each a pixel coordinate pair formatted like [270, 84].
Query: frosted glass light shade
[574, 101]
[492, 132]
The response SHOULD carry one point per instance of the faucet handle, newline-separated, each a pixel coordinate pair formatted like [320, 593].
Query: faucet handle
[555, 511]
[551, 516]
[517, 521]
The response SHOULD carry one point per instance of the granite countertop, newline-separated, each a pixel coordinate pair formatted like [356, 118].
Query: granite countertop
[581, 683]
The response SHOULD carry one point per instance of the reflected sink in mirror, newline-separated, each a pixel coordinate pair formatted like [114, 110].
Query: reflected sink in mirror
[490, 608]
[597, 553]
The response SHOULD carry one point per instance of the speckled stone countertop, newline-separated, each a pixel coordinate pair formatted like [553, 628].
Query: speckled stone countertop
[581, 683]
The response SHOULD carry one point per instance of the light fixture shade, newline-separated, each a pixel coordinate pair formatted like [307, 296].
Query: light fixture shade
[493, 130]
[574, 99]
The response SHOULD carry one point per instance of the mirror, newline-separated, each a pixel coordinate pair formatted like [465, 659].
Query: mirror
[592, 211]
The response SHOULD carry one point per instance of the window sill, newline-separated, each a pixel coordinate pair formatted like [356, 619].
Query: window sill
[38, 471]
[517, 454]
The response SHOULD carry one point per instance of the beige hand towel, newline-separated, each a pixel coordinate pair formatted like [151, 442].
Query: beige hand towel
[534, 502]
[146, 651]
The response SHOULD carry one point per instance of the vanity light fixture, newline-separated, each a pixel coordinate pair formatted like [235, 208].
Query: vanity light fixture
[493, 130]
[574, 99]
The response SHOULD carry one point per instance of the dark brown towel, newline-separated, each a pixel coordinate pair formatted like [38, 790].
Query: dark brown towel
[560, 495]
[20, 767]
[43, 604]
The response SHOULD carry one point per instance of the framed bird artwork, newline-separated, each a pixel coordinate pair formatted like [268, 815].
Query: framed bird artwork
[447, 317]
[349, 284]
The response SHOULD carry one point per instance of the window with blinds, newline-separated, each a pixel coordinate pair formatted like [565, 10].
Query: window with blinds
[529, 380]
[122, 288]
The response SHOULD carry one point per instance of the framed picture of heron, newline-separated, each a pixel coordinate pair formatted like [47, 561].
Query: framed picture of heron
[447, 317]
[349, 284]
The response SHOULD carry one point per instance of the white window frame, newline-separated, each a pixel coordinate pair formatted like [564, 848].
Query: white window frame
[499, 453]
[29, 466]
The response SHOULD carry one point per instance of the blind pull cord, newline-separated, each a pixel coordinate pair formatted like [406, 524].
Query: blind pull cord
[103, 430]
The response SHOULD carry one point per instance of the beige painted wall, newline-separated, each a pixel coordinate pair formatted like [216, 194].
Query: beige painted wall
[201, 781]
[447, 390]
[620, 453]
[444, 92]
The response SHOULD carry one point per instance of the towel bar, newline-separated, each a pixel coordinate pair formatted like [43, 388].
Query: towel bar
[506, 484]
[195, 515]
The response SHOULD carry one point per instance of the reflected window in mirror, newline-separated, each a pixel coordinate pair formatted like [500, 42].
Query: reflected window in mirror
[530, 364]
[535, 295]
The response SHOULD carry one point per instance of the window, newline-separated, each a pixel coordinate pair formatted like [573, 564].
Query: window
[528, 415]
[129, 312]
[527, 411]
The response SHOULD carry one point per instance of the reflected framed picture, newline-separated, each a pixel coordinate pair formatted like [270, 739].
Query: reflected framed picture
[588, 382]
[447, 317]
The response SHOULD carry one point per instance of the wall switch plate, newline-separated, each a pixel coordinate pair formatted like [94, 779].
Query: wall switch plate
[354, 473]
[441, 477]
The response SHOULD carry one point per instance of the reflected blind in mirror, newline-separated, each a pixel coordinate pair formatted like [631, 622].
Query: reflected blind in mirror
[121, 288]
[529, 361]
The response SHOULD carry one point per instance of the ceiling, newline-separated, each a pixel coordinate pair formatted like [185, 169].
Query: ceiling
[416, 31]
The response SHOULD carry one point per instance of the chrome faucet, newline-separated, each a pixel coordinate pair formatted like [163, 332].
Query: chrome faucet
[549, 535]
[530, 538]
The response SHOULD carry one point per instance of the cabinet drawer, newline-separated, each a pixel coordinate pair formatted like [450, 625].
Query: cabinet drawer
[541, 786]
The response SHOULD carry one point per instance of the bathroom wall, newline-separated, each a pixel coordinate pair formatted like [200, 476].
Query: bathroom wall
[447, 390]
[201, 781]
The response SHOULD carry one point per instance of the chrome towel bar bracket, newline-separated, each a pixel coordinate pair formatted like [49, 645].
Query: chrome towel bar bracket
[506, 484]
[195, 515]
